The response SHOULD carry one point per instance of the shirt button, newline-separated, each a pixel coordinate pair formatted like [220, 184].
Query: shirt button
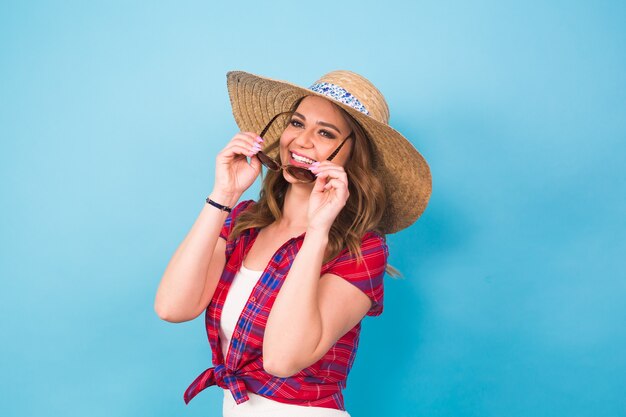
[252, 298]
[236, 334]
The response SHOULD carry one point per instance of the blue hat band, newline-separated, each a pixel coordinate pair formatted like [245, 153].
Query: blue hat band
[340, 94]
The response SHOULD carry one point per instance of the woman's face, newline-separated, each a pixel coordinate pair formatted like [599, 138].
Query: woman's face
[314, 131]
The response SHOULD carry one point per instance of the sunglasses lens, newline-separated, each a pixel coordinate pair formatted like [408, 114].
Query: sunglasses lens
[301, 174]
[267, 161]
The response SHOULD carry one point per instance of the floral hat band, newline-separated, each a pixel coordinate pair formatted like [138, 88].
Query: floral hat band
[340, 94]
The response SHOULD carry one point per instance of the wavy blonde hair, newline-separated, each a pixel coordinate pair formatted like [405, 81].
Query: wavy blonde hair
[363, 210]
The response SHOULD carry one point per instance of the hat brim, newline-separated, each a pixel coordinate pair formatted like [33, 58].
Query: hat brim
[403, 170]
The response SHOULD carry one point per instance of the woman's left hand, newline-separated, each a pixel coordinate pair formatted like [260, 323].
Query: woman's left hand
[330, 194]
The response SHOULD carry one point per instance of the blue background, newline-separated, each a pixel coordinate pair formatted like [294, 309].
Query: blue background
[111, 114]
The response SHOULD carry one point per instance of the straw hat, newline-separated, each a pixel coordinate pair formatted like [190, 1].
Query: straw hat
[403, 171]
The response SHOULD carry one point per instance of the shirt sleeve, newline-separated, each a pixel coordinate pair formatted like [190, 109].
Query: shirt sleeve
[368, 275]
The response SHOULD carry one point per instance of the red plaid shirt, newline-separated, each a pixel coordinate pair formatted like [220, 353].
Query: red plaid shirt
[321, 383]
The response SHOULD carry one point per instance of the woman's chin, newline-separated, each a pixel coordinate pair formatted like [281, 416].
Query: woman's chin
[293, 181]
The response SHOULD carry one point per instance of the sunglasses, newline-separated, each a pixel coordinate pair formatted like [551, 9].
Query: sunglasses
[301, 174]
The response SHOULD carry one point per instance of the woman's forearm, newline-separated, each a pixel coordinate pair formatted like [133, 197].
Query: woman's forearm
[294, 326]
[185, 278]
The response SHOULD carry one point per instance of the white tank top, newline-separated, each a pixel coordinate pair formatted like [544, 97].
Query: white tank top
[238, 294]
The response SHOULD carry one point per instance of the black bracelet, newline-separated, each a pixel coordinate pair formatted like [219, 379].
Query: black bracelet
[219, 206]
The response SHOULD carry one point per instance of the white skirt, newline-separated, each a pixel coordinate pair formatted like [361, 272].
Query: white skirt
[259, 406]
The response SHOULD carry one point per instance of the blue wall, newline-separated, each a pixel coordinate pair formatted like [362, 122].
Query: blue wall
[512, 305]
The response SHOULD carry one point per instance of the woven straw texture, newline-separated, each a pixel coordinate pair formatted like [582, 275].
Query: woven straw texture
[404, 172]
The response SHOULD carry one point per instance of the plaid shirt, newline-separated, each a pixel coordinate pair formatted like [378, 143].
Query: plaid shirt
[317, 385]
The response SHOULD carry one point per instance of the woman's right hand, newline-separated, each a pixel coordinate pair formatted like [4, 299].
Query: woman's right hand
[233, 173]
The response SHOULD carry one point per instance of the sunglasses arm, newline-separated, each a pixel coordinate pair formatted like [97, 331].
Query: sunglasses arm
[332, 155]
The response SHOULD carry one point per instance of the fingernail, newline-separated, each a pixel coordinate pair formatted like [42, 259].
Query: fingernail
[315, 164]
[256, 146]
[259, 139]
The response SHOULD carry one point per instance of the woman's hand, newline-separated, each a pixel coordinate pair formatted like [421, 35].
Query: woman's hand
[330, 194]
[233, 173]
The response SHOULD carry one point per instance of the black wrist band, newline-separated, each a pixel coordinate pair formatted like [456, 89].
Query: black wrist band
[219, 206]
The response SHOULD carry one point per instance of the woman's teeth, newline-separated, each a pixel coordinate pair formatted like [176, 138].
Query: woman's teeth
[302, 159]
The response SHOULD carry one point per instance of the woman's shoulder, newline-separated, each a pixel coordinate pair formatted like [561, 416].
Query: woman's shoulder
[231, 219]
[370, 234]
[373, 243]
[241, 207]
[243, 204]
[373, 237]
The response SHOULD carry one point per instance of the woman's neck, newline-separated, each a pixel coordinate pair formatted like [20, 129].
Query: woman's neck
[295, 207]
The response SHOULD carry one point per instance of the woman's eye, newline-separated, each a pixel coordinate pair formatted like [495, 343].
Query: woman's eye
[324, 133]
[327, 134]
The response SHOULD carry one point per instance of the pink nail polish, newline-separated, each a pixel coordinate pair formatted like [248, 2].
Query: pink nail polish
[259, 139]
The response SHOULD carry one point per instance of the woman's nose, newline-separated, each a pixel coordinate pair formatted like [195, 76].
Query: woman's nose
[305, 139]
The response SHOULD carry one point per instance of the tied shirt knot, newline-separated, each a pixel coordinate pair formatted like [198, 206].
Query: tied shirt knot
[222, 377]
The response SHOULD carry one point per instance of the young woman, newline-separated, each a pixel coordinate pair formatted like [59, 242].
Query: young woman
[286, 281]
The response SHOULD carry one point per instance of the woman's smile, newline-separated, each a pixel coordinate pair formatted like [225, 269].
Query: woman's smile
[300, 160]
